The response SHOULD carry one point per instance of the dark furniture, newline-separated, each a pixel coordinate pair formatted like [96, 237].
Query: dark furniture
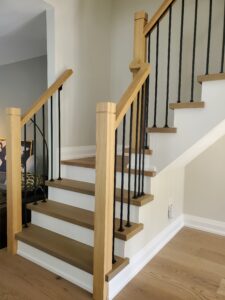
[3, 221]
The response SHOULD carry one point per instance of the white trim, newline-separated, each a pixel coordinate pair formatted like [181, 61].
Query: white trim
[144, 256]
[78, 152]
[204, 224]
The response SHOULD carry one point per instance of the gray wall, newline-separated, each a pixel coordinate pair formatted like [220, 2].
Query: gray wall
[20, 85]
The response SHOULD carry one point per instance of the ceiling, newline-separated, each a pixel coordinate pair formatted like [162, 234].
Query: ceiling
[22, 30]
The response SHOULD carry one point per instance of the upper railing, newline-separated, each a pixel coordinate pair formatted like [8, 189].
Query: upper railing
[37, 142]
[157, 16]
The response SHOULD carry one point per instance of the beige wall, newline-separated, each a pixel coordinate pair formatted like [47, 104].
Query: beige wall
[81, 42]
[205, 184]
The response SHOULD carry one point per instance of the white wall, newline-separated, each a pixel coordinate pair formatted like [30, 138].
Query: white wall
[204, 184]
[21, 84]
[82, 42]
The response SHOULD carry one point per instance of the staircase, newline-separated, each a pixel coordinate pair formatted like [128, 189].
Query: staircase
[91, 226]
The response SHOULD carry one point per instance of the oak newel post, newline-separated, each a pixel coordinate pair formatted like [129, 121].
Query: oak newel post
[105, 145]
[14, 194]
[140, 51]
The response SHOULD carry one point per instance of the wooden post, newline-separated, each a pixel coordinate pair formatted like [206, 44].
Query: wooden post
[14, 194]
[140, 45]
[104, 189]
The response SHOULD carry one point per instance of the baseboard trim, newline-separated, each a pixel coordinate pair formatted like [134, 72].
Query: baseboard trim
[78, 152]
[142, 258]
[204, 224]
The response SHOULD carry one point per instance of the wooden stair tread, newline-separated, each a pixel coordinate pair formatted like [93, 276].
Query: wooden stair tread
[89, 189]
[211, 77]
[187, 105]
[147, 151]
[75, 253]
[89, 162]
[80, 217]
[161, 130]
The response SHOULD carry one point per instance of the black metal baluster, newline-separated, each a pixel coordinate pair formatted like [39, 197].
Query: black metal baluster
[43, 152]
[223, 45]
[136, 147]
[141, 128]
[25, 178]
[156, 76]
[35, 161]
[147, 112]
[114, 203]
[181, 51]
[149, 47]
[52, 179]
[129, 171]
[121, 228]
[59, 117]
[147, 102]
[209, 37]
[168, 67]
[194, 51]
[143, 146]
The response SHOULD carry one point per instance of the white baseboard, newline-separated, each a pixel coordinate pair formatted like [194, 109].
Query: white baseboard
[144, 256]
[204, 224]
[78, 152]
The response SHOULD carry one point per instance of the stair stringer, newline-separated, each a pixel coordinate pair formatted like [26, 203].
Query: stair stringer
[197, 130]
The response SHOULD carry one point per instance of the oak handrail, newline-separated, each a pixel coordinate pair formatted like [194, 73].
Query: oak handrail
[160, 12]
[131, 93]
[45, 97]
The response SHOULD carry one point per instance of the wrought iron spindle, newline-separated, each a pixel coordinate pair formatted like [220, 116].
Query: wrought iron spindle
[168, 67]
[129, 171]
[223, 45]
[136, 147]
[25, 178]
[147, 102]
[51, 108]
[194, 51]
[59, 117]
[143, 146]
[35, 161]
[141, 128]
[156, 75]
[209, 37]
[121, 228]
[114, 202]
[181, 52]
[43, 152]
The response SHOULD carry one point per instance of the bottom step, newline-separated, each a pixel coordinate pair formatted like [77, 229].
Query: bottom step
[62, 255]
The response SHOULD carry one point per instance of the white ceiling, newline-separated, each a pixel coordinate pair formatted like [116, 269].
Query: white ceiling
[22, 30]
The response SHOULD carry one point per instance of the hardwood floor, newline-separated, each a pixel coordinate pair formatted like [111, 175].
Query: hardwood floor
[190, 267]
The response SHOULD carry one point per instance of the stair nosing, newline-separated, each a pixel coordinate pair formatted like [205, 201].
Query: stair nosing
[39, 208]
[87, 266]
[135, 202]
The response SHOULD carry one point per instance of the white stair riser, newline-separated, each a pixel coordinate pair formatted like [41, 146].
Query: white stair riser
[197, 129]
[72, 231]
[88, 175]
[88, 202]
[57, 266]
